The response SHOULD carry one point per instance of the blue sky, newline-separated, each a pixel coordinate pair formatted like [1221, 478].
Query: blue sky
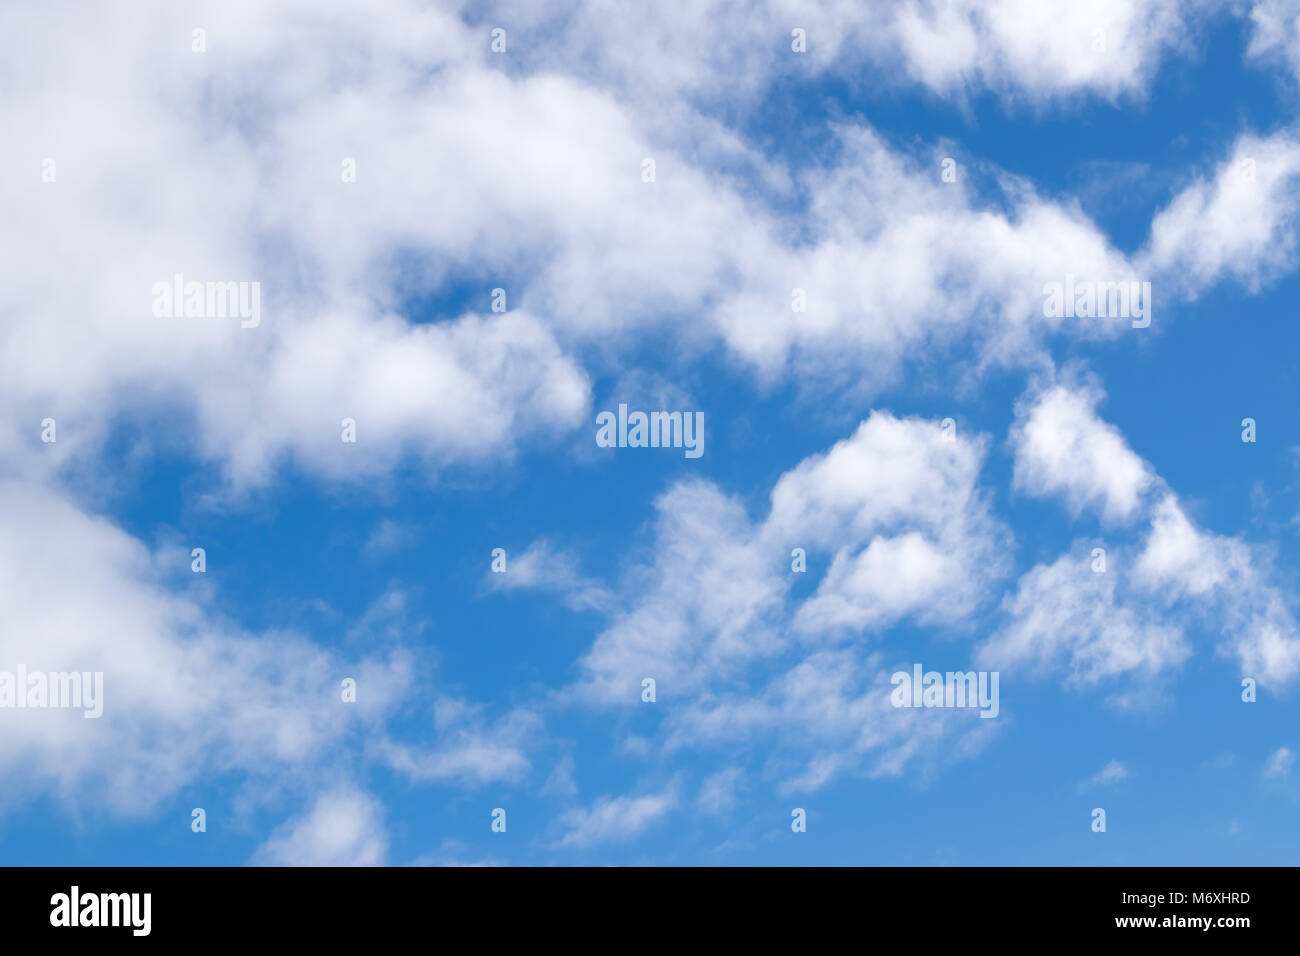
[775, 170]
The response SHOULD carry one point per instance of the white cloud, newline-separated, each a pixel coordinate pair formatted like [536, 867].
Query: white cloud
[1107, 48]
[703, 610]
[460, 391]
[1017, 48]
[1063, 448]
[561, 780]
[226, 166]
[894, 261]
[884, 582]
[906, 492]
[1275, 34]
[616, 818]
[891, 474]
[718, 792]
[1239, 224]
[452, 853]
[829, 714]
[540, 190]
[1224, 575]
[897, 264]
[1113, 773]
[185, 694]
[1104, 626]
[1066, 615]
[1279, 762]
[1180, 561]
[468, 751]
[541, 566]
[343, 828]
[386, 538]
[897, 505]
[331, 343]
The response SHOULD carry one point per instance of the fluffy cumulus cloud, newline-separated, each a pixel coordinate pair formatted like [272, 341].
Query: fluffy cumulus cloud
[904, 533]
[187, 695]
[451, 247]
[1097, 614]
[343, 827]
[1275, 33]
[895, 267]
[1038, 49]
[709, 605]
[184, 695]
[1066, 616]
[1186, 565]
[1016, 48]
[1063, 448]
[895, 507]
[245, 204]
[1239, 223]
[892, 261]
[897, 510]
